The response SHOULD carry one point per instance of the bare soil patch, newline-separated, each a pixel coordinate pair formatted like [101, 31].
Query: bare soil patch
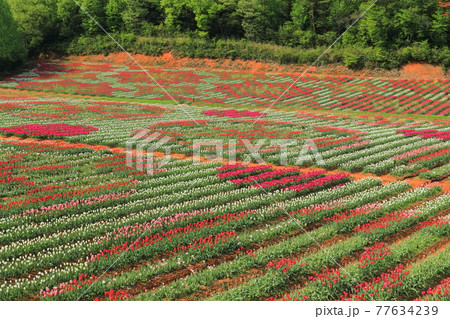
[409, 71]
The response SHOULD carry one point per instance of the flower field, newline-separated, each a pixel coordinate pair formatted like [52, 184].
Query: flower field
[426, 97]
[293, 203]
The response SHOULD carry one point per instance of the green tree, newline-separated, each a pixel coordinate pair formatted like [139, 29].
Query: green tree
[96, 10]
[69, 19]
[12, 49]
[114, 10]
[311, 15]
[205, 11]
[178, 15]
[440, 26]
[227, 23]
[374, 29]
[139, 15]
[261, 19]
[37, 20]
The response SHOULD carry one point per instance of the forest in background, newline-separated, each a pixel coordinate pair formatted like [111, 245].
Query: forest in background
[390, 34]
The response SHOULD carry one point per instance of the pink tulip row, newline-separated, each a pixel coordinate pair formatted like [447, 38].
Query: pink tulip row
[229, 167]
[357, 144]
[265, 175]
[75, 203]
[244, 171]
[130, 231]
[208, 241]
[289, 179]
[81, 281]
[49, 129]
[233, 113]
[318, 182]
[317, 208]
[414, 152]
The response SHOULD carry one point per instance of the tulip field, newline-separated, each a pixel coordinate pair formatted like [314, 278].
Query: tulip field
[313, 92]
[340, 191]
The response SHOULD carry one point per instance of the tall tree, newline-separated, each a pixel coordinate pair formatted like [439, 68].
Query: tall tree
[114, 10]
[96, 10]
[12, 49]
[205, 11]
[69, 19]
[261, 19]
[440, 27]
[139, 14]
[179, 15]
[37, 20]
[227, 23]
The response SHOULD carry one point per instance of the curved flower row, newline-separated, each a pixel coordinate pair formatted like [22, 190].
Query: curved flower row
[243, 171]
[274, 173]
[289, 179]
[234, 113]
[318, 182]
[49, 129]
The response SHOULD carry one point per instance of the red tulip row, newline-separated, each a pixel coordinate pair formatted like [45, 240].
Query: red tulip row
[317, 182]
[284, 264]
[208, 241]
[30, 200]
[168, 235]
[387, 220]
[113, 295]
[233, 113]
[46, 167]
[12, 179]
[439, 292]
[290, 179]
[363, 210]
[436, 222]
[374, 253]
[243, 171]
[49, 129]
[444, 135]
[379, 286]
[430, 156]
[253, 178]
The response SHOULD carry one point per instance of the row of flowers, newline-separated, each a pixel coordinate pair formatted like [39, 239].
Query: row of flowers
[49, 129]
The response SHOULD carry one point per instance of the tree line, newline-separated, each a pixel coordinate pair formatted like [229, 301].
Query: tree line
[389, 26]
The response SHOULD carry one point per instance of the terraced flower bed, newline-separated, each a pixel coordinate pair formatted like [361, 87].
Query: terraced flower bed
[402, 96]
[108, 199]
